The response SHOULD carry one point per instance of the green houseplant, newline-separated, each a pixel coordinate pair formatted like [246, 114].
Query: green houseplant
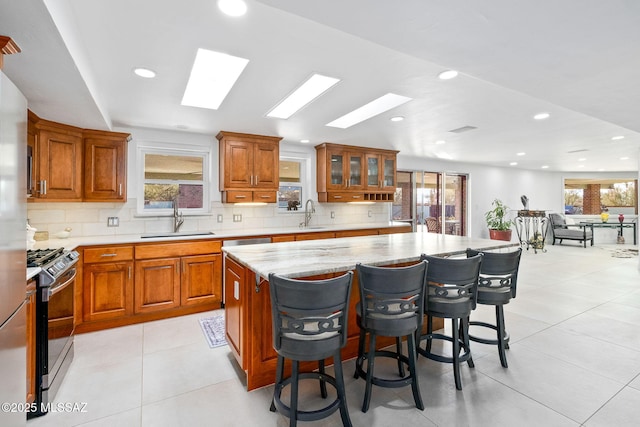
[499, 225]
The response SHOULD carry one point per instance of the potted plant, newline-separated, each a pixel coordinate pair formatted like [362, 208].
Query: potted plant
[499, 225]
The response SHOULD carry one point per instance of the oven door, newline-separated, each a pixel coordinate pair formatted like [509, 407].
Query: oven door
[60, 310]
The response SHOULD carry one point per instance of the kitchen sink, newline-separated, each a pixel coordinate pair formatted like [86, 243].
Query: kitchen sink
[178, 234]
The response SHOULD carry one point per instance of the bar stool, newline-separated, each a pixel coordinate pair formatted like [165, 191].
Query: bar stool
[391, 305]
[497, 286]
[309, 320]
[451, 294]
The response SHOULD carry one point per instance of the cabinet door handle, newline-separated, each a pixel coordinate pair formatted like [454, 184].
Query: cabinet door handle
[119, 189]
[43, 187]
[264, 196]
[129, 272]
[257, 180]
[355, 197]
[337, 197]
[240, 196]
[251, 178]
[108, 255]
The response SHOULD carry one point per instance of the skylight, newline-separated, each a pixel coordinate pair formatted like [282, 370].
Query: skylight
[315, 86]
[375, 107]
[212, 77]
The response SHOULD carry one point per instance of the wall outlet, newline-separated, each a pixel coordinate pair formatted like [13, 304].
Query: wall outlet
[333, 214]
[219, 217]
[369, 214]
[113, 221]
[237, 217]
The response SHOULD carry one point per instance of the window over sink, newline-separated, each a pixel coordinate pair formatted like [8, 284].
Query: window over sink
[171, 175]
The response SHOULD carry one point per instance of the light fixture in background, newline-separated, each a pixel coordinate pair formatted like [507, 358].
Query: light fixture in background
[144, 72]
[441, 141]
[315, 86]
[513, 164]
[232, 7]
[521, 154]
[397, 118]
[304, 141]
[448, 75]
[541, 116]
[582, 159]
[212, 77]
[544, 167]
[624, 158]
[373, 108]
[617, 138]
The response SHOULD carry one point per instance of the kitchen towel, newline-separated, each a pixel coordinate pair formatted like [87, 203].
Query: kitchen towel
[213, 328]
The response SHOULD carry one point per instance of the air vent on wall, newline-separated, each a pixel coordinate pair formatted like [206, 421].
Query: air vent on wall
[463, 129]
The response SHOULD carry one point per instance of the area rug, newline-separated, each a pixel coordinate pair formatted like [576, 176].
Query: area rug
[624, 253]
[213, 328]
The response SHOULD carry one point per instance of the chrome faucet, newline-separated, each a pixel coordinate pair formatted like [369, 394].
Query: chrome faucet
[307, 213]
[178, 220]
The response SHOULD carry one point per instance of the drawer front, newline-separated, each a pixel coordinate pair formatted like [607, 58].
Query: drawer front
[345, 197]
[239, 196]
[115, 253]
[264, 196]
[165, 250]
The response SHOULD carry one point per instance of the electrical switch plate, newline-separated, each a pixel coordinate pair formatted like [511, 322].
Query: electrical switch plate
[219, 217]
[333, 214]
[237, 217]
[369, 214]
[113, 221]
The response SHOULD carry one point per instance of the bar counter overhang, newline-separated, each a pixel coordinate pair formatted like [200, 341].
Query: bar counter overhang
[247, 304]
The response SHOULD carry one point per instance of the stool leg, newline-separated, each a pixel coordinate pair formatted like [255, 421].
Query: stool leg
[359, 359]
[399, 351]
[429, 332]
[464, 328]
[323, 383]
[371, 355]
[411, 345]
[342, 394]
[279, 373]
[501, 334]
[293, 416]
[455, 332]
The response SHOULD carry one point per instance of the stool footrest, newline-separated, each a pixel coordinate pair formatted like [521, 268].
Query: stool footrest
[384, 382]
[440, 358]
[487, 340]
[306, 415]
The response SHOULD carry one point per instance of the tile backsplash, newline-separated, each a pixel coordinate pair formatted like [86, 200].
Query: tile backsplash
[90, 219]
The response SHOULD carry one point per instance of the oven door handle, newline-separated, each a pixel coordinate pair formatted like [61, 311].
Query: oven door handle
[55, 289]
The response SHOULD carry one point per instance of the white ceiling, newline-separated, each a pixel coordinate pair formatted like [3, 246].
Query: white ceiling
[579, 60]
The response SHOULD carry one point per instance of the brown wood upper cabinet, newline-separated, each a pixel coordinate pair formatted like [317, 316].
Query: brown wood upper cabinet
[350, 174]
[105, 166]
[249, 167]
[70, 164]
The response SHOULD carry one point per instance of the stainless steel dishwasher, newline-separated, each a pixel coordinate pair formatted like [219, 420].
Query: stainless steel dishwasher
[241, 242]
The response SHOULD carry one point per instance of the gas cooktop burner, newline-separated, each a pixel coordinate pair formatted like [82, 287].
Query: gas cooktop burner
[40, 257]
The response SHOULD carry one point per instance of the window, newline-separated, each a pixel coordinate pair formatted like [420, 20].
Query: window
[293, 183]
[169, 176]
[592, 196]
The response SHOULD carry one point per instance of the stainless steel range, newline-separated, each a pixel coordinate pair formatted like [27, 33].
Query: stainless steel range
[54, 324]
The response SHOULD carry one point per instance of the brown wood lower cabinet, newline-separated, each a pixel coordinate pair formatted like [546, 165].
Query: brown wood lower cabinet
[201, 279]
[157, 285]
[107, 290]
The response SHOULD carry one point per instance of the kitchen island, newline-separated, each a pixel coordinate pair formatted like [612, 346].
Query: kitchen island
[247, 302]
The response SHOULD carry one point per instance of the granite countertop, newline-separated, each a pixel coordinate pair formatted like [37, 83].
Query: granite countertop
[74, 242]
[314, 257]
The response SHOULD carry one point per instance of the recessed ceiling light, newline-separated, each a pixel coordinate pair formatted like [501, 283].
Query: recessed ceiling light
[541, 116]
[520, 154]
[513, 163]
[212, 77]
[447, 75]
[441, 141]
[580, 166]
[616, 138]
[397, 119]
[304, 141]
[624, 158]
[544, 167]
[315, 86]
[600, 170]
[581, 159]
[144, 72]
[375, 107]
[232, 7]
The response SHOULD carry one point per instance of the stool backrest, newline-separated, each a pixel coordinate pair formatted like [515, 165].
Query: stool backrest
[309, 311]
[499, 269]
[452, 284]
[392, 298]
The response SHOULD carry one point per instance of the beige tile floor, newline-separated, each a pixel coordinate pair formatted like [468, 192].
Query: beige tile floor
[574, 360]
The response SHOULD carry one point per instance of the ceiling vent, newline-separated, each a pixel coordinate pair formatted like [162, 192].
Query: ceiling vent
[463, 129]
